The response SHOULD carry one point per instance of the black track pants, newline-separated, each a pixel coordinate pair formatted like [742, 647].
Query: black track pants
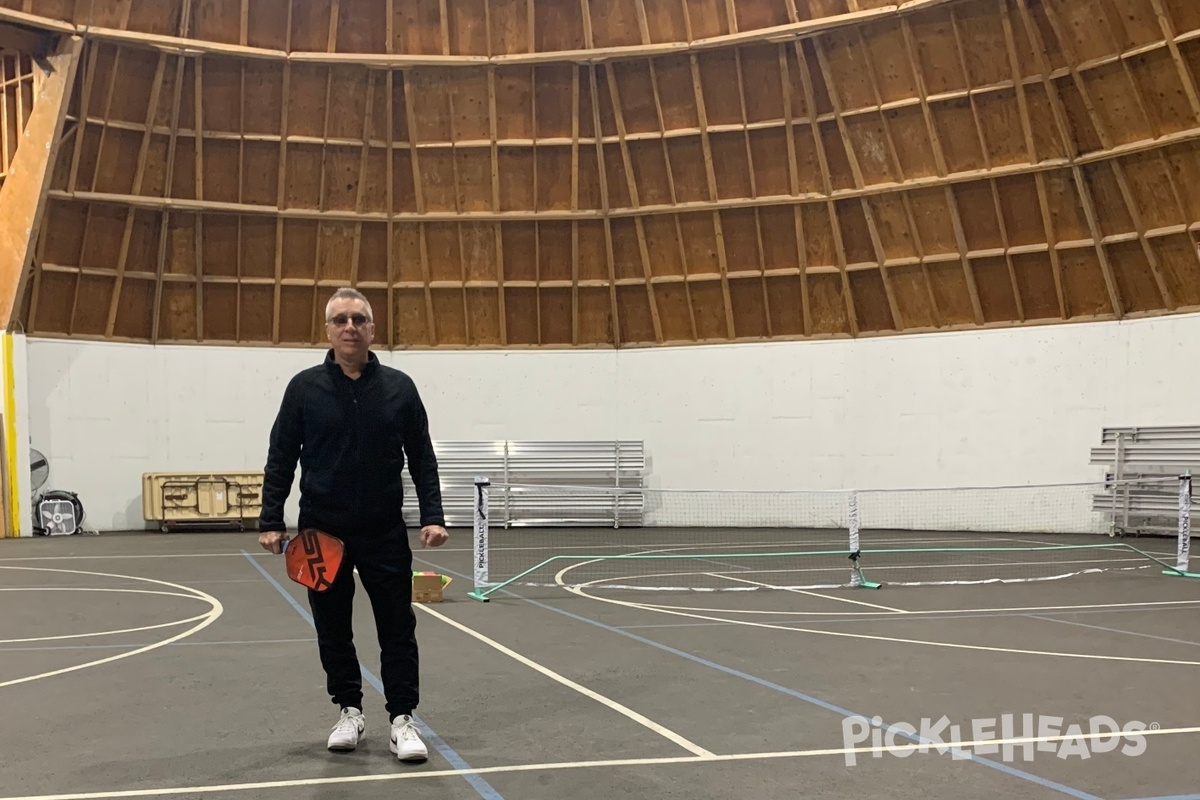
[384, 562]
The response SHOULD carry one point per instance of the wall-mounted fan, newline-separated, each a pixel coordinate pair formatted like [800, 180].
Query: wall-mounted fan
[39, 471]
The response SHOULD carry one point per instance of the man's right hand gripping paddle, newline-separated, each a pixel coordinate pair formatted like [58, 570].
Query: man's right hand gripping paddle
[312, 558]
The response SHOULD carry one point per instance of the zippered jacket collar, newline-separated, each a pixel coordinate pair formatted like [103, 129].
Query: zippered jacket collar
[368, 368]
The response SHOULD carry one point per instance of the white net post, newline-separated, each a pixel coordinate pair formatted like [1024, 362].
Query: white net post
[479, 539]
[1185, 522]
[852, 520]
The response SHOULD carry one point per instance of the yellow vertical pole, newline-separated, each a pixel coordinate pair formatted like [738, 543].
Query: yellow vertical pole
[13, 487]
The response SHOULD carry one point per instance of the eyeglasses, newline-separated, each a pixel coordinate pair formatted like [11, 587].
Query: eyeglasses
[359, 320]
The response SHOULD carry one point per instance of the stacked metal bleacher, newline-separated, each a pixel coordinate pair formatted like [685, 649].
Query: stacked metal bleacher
[585, 467]
[1136, 454]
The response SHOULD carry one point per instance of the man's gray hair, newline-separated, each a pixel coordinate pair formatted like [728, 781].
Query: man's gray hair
[352, 294]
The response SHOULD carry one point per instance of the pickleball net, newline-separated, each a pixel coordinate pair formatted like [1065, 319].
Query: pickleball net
[604, 538]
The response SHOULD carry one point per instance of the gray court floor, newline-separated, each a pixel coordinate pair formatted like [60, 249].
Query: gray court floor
[184, 665]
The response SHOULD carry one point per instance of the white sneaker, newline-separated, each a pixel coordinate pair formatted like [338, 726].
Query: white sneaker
[406, 742]
[347, 730]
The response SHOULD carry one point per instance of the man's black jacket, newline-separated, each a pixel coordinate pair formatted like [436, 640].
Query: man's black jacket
[351, 438]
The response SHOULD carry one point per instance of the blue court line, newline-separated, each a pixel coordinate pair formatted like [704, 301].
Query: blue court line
[1005, 768]
[1114, 630]
[482, 787]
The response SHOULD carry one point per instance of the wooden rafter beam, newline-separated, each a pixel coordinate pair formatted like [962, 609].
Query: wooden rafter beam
[589, 54]
[23, 194]
[30, 41]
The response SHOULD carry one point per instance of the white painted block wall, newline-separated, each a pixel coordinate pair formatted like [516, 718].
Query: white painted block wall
[942, 410]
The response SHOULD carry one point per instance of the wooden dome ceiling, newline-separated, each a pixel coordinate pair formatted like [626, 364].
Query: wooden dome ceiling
[617, 172]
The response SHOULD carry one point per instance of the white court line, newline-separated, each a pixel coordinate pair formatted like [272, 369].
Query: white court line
[805, 591]
[1000, 609]
[1129, 558]
[776, 542]
[894, 639]
[916, 747]
[110, 633]
[242, 642]
[105, 586]
[598, 582]
[129, 556]
[1170, 554]
[215, 611]
[839, 544]
[918, 616]
[948, 611]
[613, 704]
[1107, 629]
[556, 548]
[873, 569]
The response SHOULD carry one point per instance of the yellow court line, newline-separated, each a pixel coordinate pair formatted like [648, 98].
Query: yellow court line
[13, 528]
[930, 748]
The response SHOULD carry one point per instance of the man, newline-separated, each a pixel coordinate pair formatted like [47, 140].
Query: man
[350, 422]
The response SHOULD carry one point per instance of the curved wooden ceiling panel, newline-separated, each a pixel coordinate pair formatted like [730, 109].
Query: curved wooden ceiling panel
[620, 172]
